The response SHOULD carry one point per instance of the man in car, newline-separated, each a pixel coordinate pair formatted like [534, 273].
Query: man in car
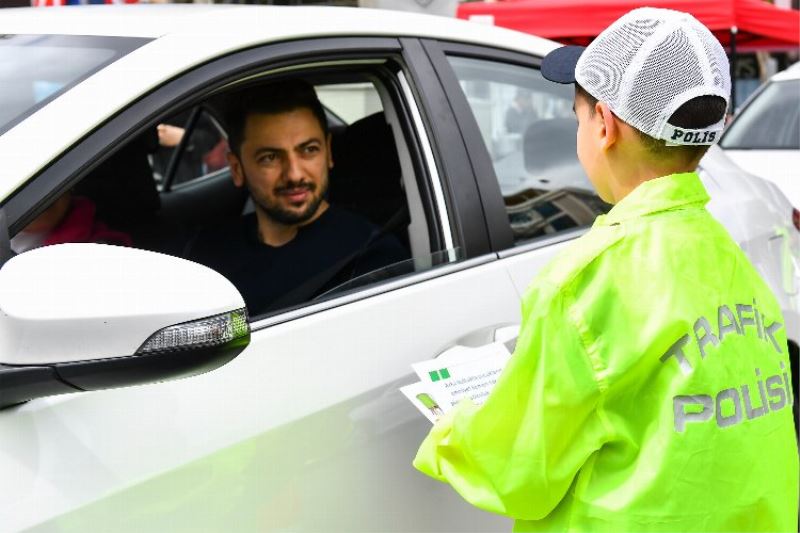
[649, 386]
[295, 245]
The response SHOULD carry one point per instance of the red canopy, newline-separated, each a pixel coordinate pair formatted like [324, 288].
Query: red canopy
[760, 25]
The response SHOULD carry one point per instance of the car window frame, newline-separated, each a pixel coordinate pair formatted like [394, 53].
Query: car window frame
[496, 216]
[181, 148]
[451, 148]
[195, 85]
[500, 233]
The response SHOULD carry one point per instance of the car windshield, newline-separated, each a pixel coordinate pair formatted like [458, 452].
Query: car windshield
[35, 69]
[771, 121]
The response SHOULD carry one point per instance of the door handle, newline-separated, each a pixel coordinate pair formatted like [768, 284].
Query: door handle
[505, 334]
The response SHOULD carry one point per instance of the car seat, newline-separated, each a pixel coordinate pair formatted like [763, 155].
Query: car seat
[123, 189]
[366, 175]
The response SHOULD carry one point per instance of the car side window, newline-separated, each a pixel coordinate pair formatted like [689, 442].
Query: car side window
[381, 223]
[529, 129]
[376, 227]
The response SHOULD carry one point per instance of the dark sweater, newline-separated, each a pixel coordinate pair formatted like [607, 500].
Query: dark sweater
[336, 247]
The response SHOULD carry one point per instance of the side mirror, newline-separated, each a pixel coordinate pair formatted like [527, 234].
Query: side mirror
[78, 317]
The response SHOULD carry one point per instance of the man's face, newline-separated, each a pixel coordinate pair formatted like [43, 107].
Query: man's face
[284, 162]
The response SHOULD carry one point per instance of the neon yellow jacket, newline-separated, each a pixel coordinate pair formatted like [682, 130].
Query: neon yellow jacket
[649, 390]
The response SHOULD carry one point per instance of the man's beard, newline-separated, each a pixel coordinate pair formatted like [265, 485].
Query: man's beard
[281, 215]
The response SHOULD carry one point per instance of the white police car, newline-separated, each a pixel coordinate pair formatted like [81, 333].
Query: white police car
[304, 429]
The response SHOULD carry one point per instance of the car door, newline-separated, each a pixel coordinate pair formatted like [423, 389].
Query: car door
[305, 430]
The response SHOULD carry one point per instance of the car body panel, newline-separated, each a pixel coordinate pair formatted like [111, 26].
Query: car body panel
[758, 216]
[66, 452]
[781, 167]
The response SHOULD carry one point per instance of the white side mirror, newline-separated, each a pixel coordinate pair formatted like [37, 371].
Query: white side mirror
[91, 316]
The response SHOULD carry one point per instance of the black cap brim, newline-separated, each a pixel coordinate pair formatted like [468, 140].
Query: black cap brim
[559, 65]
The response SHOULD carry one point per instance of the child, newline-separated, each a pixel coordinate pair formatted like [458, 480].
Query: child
[649, 389]
[68, 219]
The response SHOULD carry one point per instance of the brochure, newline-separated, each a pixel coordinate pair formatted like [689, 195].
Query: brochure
[423, 397]
[460, 372]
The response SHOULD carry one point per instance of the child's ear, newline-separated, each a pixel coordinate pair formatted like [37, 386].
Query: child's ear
[610, 128]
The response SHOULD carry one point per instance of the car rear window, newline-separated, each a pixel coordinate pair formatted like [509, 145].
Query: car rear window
[35, 69]
[770, 121]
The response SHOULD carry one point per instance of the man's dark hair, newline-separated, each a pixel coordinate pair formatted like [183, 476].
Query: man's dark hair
[278, 97]
[699, 112]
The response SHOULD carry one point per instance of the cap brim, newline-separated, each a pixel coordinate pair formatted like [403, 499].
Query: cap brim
[559, 65]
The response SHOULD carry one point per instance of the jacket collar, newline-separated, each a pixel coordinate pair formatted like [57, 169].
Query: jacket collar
[653, 196]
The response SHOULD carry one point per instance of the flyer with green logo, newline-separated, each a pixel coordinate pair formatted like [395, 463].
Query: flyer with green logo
[460, 373]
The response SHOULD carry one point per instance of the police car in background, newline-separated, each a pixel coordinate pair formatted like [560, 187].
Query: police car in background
[292, 419]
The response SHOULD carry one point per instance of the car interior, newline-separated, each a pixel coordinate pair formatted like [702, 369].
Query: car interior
[163, 198]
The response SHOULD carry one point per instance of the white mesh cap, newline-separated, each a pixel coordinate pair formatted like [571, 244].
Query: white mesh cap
[649, 63]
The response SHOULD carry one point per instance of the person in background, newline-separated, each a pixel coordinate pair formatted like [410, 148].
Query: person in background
[69, 218]
[204, 138]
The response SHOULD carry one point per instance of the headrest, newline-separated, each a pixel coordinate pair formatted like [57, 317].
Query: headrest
[366, 170]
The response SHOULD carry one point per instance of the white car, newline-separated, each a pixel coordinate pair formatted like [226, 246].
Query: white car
[764, 137]
[304, 429]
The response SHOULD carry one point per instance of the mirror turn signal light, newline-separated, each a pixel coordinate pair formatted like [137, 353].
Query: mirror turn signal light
[207, 332]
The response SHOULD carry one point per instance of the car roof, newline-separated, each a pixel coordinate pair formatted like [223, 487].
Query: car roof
[791, 73]
[256, 23]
